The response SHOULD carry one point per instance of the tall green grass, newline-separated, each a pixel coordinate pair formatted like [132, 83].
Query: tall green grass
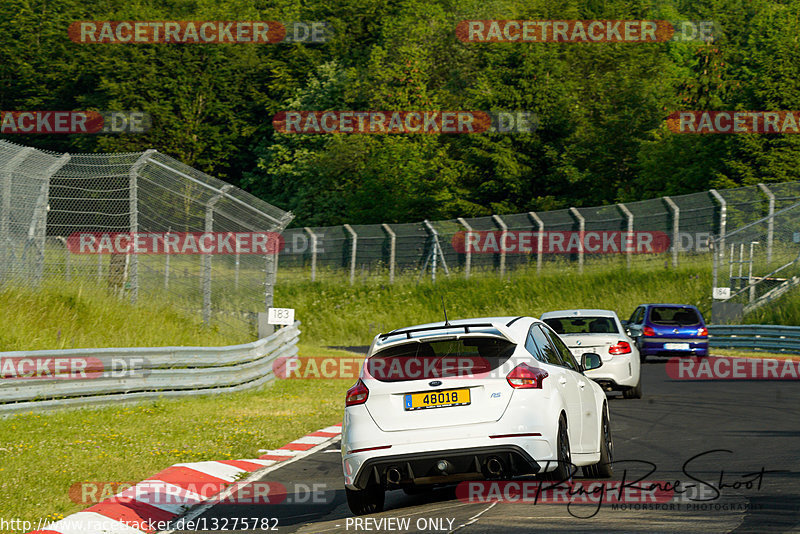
[60, 316]
[336, 313]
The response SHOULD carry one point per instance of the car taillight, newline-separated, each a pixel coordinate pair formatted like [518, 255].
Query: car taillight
[702, 332]
[648, 331]
[357, 394]
[524, 376]
[623, 347]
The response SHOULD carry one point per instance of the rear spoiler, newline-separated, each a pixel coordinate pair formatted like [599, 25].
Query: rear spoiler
[409, 331]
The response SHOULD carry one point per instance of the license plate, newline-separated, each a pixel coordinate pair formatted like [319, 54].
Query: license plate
[676, 346]
[437, 399]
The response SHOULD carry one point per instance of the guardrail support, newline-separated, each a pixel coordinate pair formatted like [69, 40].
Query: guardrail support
[392, 250]
[676, 236]
[503, 234]
[629, 216]
[313, 237]
[539, 240]
[467, 250]
[582, 231]
[353, 250]
[771, 221]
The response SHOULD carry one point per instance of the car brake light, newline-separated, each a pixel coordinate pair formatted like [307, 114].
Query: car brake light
[702, 332]
[623, 347]
[648, 331]
[357, 394]
[524, 376]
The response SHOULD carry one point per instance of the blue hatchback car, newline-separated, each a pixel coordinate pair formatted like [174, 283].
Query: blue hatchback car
[668, 330]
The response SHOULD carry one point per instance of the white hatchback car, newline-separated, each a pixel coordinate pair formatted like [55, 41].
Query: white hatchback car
[600, 332]
[480, 398]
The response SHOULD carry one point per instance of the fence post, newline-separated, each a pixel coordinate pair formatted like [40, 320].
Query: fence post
[353, 250]
[270, 276]
[539, 240]
[313, 238]
[37, 231]
[676, 238]
[467, 250]
[771, 222]
[629, 216]
[392, 250]
[166, 260]
[723, 216]
[503, 233]
[5, 208]
[581, 229]
[209, 227]
[133, 220]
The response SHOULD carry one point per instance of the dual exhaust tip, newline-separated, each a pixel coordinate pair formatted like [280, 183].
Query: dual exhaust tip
[492, 467]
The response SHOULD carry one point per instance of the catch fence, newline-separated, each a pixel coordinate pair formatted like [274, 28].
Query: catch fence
[58, 210]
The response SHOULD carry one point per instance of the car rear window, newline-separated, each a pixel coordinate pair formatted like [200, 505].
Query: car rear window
[582, 325]
[674, 316]
[439, 359]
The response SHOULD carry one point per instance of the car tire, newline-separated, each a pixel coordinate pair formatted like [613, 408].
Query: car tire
[603, 468]
[634, 392]
[563, 470]
[366, 501]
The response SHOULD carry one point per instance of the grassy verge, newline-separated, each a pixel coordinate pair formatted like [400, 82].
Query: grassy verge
[82, 316]
[335, 313]
[42, 455]
[738, 353]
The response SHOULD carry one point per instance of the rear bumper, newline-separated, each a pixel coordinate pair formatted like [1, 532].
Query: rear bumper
[666, 347]
[420, 467]
[617, 373]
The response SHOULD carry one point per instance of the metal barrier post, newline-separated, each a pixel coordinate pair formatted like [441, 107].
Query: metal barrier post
[133, 219]
[503, 234]
[313, 238]
[5, 208]
[539, 240]
[629, 216]
[676, 237]
[467, 249]
[723, 216]
[582, 230]
[353, 250]
[392, 250]
[209, 227]
[771, 221]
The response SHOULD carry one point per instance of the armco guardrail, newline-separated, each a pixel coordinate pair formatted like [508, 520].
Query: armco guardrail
[771, 338]
[158, 372]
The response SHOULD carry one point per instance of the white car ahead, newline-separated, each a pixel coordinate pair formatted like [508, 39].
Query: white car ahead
[480, 398]
[600, 332]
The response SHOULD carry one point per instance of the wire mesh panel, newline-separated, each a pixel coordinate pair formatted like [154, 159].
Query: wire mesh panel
[142, 224]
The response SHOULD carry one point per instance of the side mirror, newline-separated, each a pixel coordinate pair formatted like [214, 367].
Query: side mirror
[590, 361]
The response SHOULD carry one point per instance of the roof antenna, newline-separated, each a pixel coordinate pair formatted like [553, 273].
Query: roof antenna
[446, 322]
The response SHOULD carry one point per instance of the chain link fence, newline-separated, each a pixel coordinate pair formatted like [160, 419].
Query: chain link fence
[663, 231]
[758, 262]
[170, 231]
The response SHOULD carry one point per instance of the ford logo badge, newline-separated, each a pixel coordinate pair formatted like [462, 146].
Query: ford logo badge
[435, 383]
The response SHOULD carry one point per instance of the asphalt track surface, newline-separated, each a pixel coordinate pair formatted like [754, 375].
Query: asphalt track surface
[758, 422]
